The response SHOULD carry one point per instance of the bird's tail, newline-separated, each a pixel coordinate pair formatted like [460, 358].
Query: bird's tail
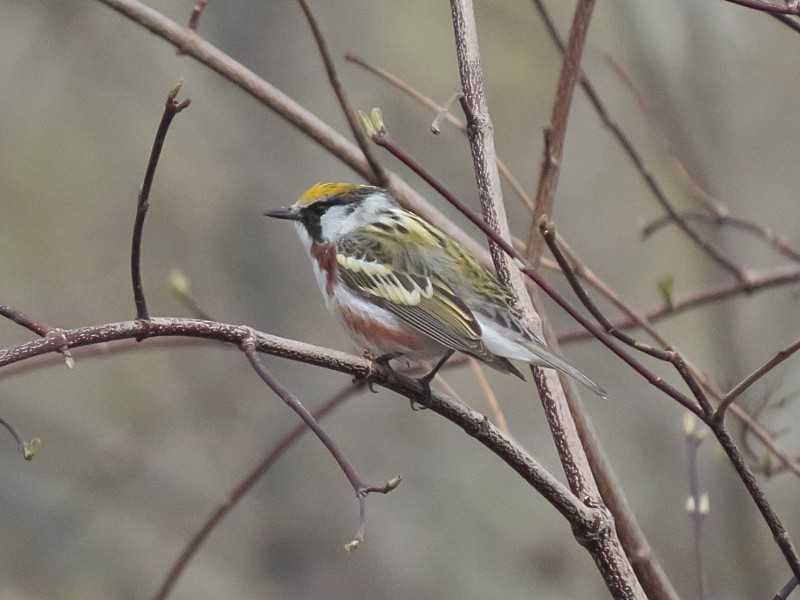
[549, 359]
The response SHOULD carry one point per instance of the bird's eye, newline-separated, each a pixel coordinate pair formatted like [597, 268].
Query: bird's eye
[318, 209]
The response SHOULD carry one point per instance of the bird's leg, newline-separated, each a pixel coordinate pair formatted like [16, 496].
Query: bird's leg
[382, 360]
[425, 381]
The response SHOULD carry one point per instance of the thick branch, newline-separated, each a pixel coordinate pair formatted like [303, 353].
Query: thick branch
[584, 518]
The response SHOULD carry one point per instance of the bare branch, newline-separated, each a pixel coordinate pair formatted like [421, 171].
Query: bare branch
[243, 487]
[307, 123]
[197, 10]
[778, 242]
[784, 592]
[37, 327]
[755, 376]
[555, 133]
[24, 320]
[360, 487]
[480, 133]
[382, 139]
[438, 110]
[171, 109]
[28, 448]
[789, 7]
[379, 175]
[759, 280]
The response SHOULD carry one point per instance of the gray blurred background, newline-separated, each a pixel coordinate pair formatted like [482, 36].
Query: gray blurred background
[140, 447]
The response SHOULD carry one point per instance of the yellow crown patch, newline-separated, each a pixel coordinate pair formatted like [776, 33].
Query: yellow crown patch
[320, 190]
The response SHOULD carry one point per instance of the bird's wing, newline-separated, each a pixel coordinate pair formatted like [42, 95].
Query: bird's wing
[415, 295]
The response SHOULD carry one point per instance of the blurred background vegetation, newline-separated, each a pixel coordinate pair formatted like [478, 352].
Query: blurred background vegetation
[139, 447]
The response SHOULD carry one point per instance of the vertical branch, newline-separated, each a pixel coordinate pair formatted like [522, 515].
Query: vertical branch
[555, 133]
[607, 552]
[171, 108]
[480, 132]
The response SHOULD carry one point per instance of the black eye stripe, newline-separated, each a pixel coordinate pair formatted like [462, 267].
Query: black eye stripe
[321, 206]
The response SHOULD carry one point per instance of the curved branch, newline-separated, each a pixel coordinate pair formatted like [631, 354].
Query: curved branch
[588, 521]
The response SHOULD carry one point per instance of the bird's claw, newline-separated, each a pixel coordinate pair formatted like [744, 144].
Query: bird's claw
[383, 361]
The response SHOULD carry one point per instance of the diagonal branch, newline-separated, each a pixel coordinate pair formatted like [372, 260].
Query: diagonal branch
[192, 45]
[380, 137]
[784, 8]
[379, 175]
[360, 487]
[441, 113]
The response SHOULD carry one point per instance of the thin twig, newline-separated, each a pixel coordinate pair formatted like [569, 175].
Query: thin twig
[785, 8]
[777, 241]
[25, 320]
[438, 109]
[380, 177]
[759, 280]
[755, 376]
[38, 327]
[776, 527]
[556, 131]
[695, 189]
[548, 234]
[488, 392]
[360, 487]
[638, 162]
[244, 486]
[197, 10]
[766, 438]
[171, 108]
[13, 431]
[28, 448]
[179, 285]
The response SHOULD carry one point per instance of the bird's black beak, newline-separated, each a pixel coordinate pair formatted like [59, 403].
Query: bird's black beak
[290, 214]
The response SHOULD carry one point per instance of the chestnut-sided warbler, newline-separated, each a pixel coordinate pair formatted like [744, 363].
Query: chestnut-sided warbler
[403, 288]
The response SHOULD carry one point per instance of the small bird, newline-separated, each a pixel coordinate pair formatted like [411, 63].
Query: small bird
[403, 288]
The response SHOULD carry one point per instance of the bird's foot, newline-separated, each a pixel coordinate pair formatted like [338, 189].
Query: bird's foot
[383, 361]
[425, 380]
